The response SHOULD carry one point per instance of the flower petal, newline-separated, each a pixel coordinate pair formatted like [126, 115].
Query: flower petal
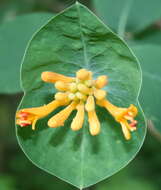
[125, 130]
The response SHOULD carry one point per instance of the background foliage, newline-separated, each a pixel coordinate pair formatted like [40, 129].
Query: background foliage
[17, 173]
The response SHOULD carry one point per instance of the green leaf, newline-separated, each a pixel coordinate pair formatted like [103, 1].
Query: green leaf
[14, 37]
[150, 59]
[7, 182]
[128, 180]
[152, 35]
[128, 15]
[10, 9]
[76, 39]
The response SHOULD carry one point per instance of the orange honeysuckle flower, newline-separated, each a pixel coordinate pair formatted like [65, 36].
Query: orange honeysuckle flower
[59, 119]
[125, 116]
[80, 93]
[29, 116]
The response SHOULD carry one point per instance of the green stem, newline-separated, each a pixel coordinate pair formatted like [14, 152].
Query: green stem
[123, 18]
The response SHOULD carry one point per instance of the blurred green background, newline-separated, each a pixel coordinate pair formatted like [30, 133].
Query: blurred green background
[18, 173]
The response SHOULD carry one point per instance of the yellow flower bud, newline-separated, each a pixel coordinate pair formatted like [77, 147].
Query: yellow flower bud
[83, 88]
[94, 124]
[73, 87]
[72, 96]
[62, 96]
[101, 81]
[90, 104]
[83, 74]
[81, 96]
[88, 83]
[61, 86]
[99, 94]
[77, 122]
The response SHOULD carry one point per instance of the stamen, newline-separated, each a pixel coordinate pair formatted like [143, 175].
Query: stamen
[125, 131]
[23, 123]
[133, 125]
[129, 118]
[77, 122]
[34, 123]
[23, 114]
[130, 113]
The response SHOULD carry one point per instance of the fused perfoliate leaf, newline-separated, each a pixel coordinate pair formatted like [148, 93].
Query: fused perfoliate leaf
[76, 46]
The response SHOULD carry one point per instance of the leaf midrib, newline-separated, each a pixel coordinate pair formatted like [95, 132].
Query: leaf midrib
[87, 66]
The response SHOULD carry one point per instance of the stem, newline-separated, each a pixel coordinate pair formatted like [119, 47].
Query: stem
[124, 18]
[153, 130]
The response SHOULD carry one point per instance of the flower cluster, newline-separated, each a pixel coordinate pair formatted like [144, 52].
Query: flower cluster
[79, 93]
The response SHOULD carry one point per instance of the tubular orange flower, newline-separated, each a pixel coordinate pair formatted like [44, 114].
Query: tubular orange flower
[59, 119]
[125, 116]
[78, 93]
[29, 116]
